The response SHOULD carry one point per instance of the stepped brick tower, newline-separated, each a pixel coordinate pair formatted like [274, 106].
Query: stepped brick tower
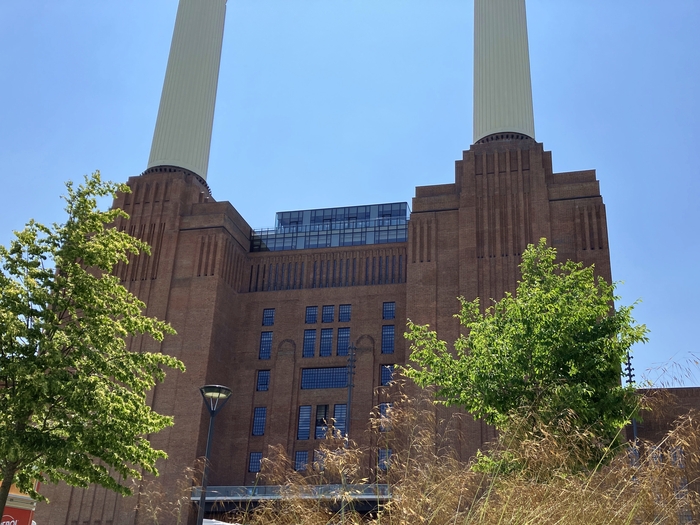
[278, 314]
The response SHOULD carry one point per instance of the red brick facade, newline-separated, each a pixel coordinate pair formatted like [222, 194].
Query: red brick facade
[464, 238]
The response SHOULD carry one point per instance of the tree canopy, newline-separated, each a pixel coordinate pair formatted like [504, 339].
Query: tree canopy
[72, 396]
[552, 352]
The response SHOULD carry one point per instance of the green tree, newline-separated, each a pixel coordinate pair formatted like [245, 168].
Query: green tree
[550, 353]
[72, 397]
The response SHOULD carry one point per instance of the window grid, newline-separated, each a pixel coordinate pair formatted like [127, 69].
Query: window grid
[301, 460]
[263, 383]
[386, 374]
[309, 343]
[343, 341]
[254, 462]
[259, 419]
[384, 458]
[313, 378]
[326, 342]
[389, 311]
[265, 345]
[268, 317]
[340, 416]
[344, 313]
[319, 459]
[384, 420]
[328, 313]
[311, 315]
[321, 426]
[304, 422]
[388, 339]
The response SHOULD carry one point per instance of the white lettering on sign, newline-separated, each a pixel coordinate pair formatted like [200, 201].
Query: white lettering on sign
[8, 520]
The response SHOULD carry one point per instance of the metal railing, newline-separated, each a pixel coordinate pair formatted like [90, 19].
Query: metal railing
[378, 493]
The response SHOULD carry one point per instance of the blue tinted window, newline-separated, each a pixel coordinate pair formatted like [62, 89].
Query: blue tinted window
[321, 426]
[326, 342]
[312, 378]
[388, 339]
[389, 310]
[384, 458]
[301, 459]
[343, 341]
[328, 314]
[254, 462]
[309, 343]
[263, 383]
[265, 345]
[321, 228]
[384, 422]
[340, 415]
[344, 313]
[311, 315]
[259, 418]
[387, 374]
[319, 459]
[268, 317]
[304, 425]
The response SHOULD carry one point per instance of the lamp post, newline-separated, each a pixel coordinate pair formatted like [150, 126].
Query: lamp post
[215, 397]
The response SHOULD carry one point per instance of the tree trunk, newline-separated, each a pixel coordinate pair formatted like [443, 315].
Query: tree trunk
[8, 473]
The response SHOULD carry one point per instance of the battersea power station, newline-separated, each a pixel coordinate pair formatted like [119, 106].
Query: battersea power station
[304, 322]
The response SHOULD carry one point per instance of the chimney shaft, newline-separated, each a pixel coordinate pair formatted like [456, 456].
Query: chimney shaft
[182, 137]
[502, 89]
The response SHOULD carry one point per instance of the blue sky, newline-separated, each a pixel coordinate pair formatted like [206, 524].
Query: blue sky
[344, 102]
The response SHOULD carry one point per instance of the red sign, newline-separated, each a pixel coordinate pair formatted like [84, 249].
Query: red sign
[17, 517]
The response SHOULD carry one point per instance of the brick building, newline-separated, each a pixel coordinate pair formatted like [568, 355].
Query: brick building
[275, 314]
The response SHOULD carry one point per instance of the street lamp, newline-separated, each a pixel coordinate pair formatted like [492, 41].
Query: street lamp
[215, 397]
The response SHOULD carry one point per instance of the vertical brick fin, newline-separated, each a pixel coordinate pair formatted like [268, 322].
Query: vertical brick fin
[201, 255]
[414, 247]
[591, 228]
[421, 237]
[302, 276]
[600, 216]
[586, 227]
[212, 269]
[515, 213]
[166, 192]
[237, 268]
[265, 283]
[491, 218]
[148, 260]
[479, 217]
[225, 261]
[501, 162]
[525, 159]
[156, 250]
[240, 272]
[207, 255]
[138, 260]
[129, 258]
[429, 243]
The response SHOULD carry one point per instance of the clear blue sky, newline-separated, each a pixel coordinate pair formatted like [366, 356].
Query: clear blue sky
[341, 102]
